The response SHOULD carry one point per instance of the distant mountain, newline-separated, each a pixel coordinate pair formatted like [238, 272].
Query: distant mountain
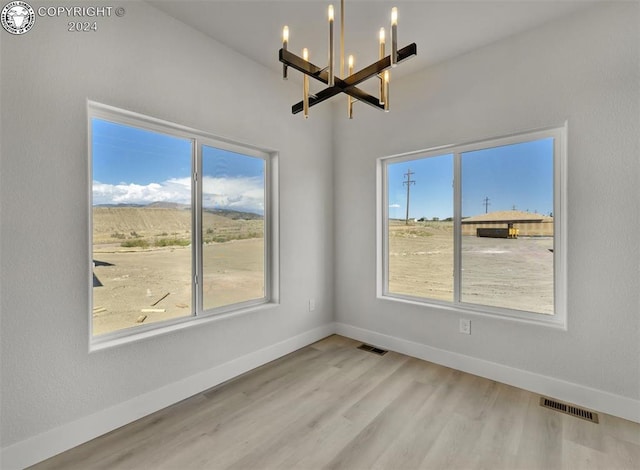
[117, 223]
[168, 205]
[119, 205]
[235, 215]
[229, 214]
[153, 205]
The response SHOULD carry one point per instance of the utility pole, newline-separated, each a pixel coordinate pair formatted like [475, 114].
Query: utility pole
[486, 204]
[409, 182]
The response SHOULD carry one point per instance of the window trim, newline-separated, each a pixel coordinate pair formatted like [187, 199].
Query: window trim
[559, 318]
[199, 268]
[271, 227]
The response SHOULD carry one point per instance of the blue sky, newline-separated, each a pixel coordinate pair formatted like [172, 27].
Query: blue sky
[430, 196]
[519, 175]
[137, 166]
[232, 181]
[123, 154]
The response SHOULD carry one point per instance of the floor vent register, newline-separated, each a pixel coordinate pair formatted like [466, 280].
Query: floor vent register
[373, 349]
[569, 409]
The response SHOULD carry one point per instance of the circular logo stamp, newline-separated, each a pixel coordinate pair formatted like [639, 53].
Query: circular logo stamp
[17, 17]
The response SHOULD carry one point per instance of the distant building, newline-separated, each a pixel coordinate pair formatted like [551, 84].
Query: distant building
[528, 224]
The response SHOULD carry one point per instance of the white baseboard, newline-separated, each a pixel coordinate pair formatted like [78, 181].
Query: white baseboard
[50, 443]
[581, 395]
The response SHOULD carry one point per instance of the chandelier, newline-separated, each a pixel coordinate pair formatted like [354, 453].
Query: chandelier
[342, 84]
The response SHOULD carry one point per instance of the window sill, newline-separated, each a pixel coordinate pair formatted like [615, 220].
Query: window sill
[126, 337]
[556, 321]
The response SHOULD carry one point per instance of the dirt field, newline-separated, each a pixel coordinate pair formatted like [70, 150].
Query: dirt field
[515, 274]
[134, 280]
[421, 259]
[143, 254]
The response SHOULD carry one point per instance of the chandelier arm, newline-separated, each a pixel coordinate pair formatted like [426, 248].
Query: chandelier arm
[379, 66]
[301, 65]
[360, 95]
[320, 74]
[327, 93]
[317, 98]
[348, 85]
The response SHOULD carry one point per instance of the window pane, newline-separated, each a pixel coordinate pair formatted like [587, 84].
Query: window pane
[141, 226]
[507, 226]
[420, 239]
[233, 206]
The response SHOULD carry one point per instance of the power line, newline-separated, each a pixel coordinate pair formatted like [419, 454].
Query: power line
[486, 204]
[409, 182]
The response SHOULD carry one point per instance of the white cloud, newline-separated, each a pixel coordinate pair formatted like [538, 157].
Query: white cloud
[245, 194]
[240, 193]
[173, 190]
[394, 206]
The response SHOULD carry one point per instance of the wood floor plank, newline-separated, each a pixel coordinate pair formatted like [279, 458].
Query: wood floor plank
[239, 436]
[418, 436]
[320, 407]
[373, 440]
[541, 439]
[332, 406]
[504, 422]
[384, 393]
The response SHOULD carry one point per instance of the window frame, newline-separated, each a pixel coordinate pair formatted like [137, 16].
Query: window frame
[271, 233]
[251, 152]
[559, 318]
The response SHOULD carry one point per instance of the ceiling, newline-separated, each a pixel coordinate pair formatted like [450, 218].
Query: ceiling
[442, 29]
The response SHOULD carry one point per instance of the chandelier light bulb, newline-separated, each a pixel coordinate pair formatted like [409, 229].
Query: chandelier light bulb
[349, 99]
[305, 87]
[285, 43]
[381, 55]
[386, 90]
[330, 78]
[394, 36]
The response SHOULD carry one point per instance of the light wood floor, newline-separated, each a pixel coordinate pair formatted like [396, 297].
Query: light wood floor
[332, 406]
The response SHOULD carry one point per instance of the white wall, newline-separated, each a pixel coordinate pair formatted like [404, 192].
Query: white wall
[584, 69]
[149, 63]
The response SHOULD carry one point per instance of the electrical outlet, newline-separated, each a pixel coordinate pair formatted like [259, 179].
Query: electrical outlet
[312, 305]
[465, 326]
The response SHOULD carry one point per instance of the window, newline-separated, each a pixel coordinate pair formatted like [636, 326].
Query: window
[233, 228]
[477, 227]
[180, 224]
[420, 253]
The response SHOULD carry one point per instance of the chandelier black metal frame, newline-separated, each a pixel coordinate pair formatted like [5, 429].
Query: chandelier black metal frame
[342, 84]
